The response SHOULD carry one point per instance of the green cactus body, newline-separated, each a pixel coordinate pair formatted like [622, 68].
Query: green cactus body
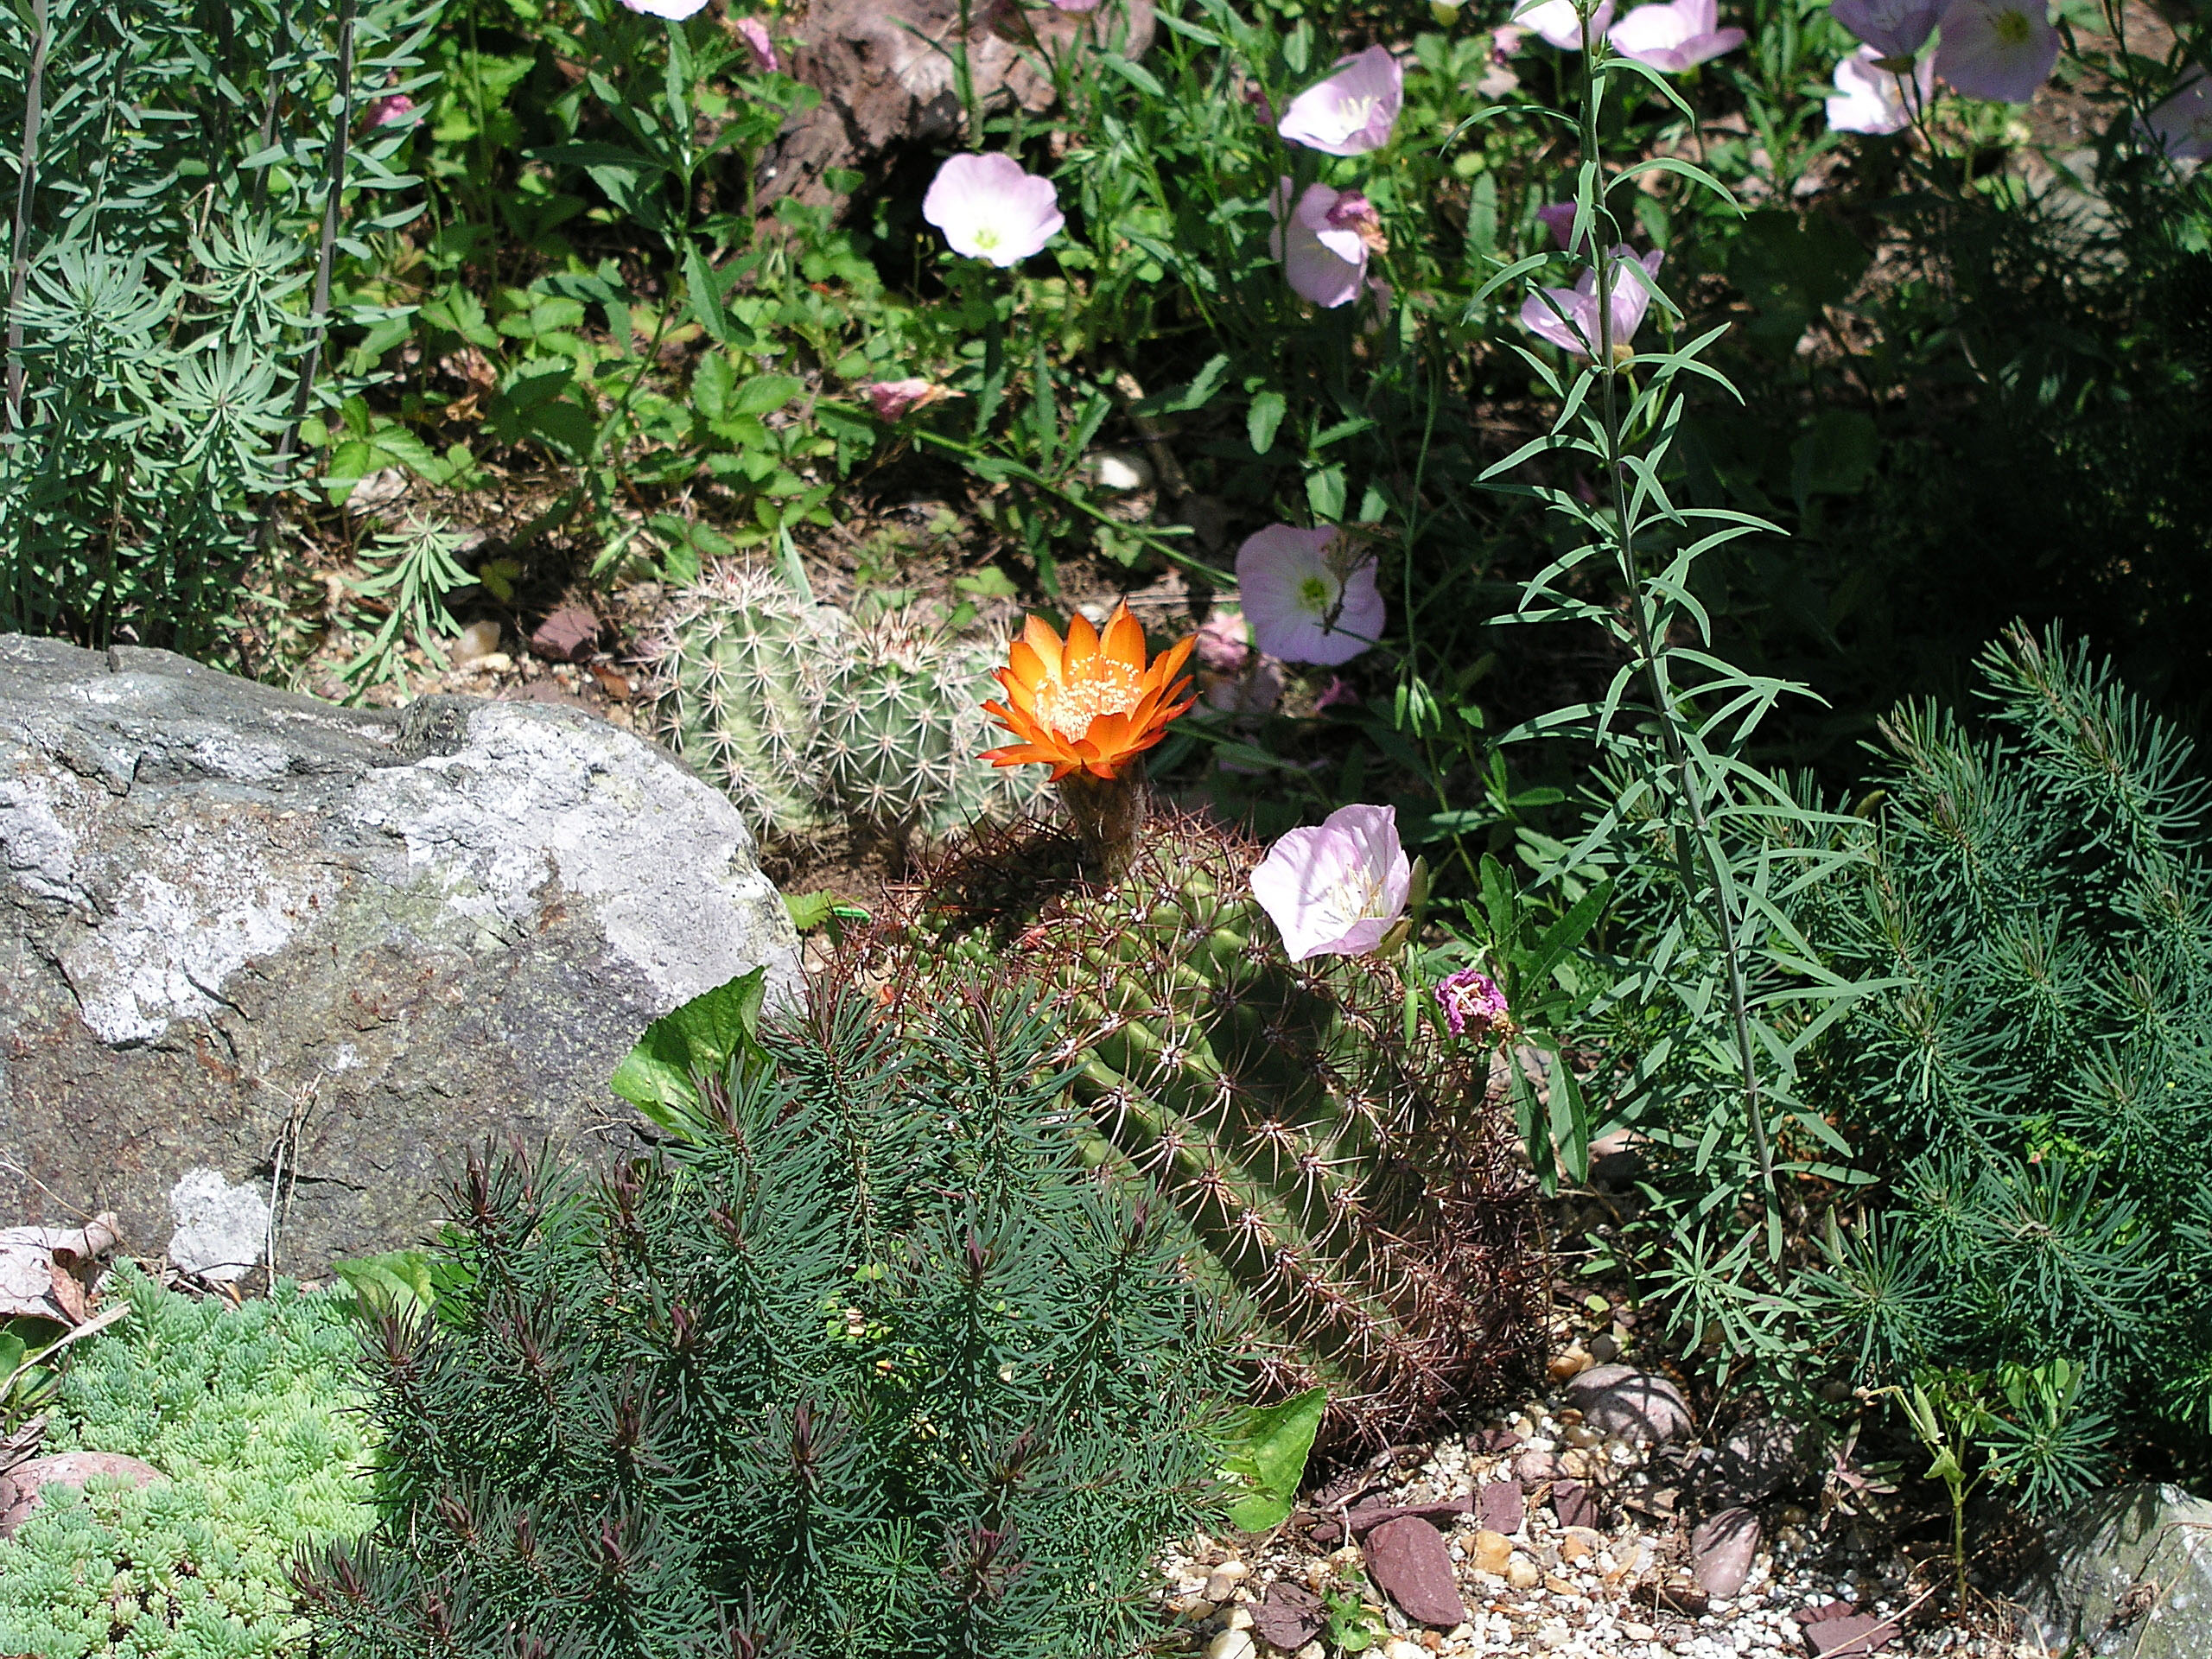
[1355, 1190]
[743, 667]
[803, 716]
[902, 731]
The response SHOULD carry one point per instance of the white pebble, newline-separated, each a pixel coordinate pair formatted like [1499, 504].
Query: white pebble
[1231, 1644]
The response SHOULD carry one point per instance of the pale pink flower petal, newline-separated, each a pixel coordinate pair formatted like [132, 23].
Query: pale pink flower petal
[1577, 330]
[1335, 889]
[1225, 644]
[893, 400]
[1505, 42]
[1558, 23]
[1309, 594]
[988, 209]
[1334, 693]
[1895, 28]
[1323, 260]
[754, 33]
[1677, 35]
[1558, 218]
[2182, 125]
[393, 106]
[1872, 99]
[2002, 49]
[1075, 5]
[1353, 111]
[675, 10]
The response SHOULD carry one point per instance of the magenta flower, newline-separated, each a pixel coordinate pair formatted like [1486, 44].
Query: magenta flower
[1567, 317]
[2182, 125]
[1309, 594]
[1225, 644]
[1336, 890]
[675, 10]
[893, 400]
[1323, 243]
[1472, 999]
[988, 209]
[1505, 42]
[1353, 111]
[1997, 48]
[1560, 23]
[1075, 5]
[383, 112]
[1895, 28]
[1334, 693]
[754, 33]
[1677, 35]
[1558, 218]
[1870, 98]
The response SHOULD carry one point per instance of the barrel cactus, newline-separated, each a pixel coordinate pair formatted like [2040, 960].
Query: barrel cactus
[804, 716]
[902, 731]
[743, 666]
[1352, 1184]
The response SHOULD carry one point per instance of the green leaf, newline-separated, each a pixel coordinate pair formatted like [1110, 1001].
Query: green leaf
[765, 392]
[397, 1281]
[1266, 416]
[1273, 1448]
[810, 910]
[702, 1037]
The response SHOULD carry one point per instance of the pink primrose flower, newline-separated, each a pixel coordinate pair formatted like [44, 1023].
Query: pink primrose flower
[675, 10]
[1322, 243]
[383, 112]
[1471, 1000]
[2182, 125]
[1560, 23]
[1075, 5]
[1337, 889]
[1334, 693]
[1225, 643]
[1870, 98]
[1353, 111]
[1577, 330]
[1558, 218]
[1895, 28]
[1309, 594]
[1677, 35]
[893, 400]
[988, 209]
[2002, 49]
[1505, 42]
[754, 33]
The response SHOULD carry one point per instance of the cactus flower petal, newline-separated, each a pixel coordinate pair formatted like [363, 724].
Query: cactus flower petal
[1086, 703]
[1335, 889]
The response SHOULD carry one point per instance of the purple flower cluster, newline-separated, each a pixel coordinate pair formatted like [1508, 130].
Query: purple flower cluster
[1472, 1003]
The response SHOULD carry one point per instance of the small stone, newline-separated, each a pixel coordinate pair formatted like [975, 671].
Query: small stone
[1311, 1650]
[1288, 1616]
[1195, 1609]
[1398, 1648]
[1721, 1551]
[1501, 1506]
[1239, 1618]
[494, 662]
[1532, 1467]
[1491, 1551]
[1575, 1360]
[1604, 1348]
[1639, 1633]
[1522, 1574]
[1632, 1404]
[1408, 1563]
[1578, 1543]
[569, 635]
[477, 641]
[1581, 1435]
[1222, 1582]
[1232, 1644]
[1572, 1505]
[1574, 1464]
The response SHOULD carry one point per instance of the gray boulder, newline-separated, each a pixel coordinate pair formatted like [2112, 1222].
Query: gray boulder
[265, 960]
[2129, 1572]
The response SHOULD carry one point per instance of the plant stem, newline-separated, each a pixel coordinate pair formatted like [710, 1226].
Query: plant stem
[1110, 814]
[1664, 708]
[26, 177]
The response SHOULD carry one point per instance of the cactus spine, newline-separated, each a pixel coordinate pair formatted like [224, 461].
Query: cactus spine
[803, 716]
[1355, 1187]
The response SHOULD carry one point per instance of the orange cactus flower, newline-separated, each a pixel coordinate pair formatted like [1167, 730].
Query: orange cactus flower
[1089, 704]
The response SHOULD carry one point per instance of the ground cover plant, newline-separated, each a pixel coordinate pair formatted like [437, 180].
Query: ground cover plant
[250, 1411]
[1525, 437]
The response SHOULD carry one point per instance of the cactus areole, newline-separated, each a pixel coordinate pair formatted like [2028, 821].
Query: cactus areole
[1089, 706]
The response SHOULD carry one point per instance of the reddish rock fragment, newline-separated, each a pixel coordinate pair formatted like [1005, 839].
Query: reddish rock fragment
[22, 1489]
[567, 636]
[1288, 1616]
[1407, 1558]
[1572, 1505]
[1503, 1509]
